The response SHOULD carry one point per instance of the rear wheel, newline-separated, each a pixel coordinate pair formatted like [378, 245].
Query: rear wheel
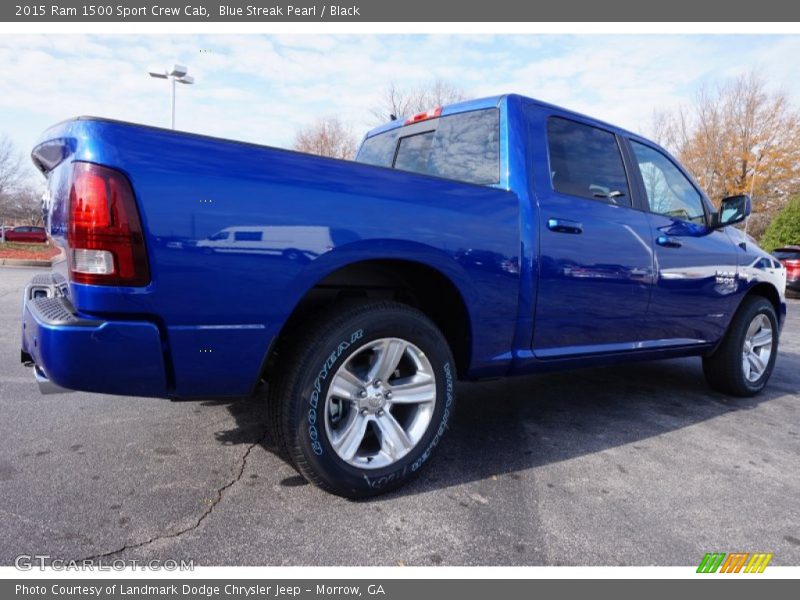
[363, 396]
[743, 363]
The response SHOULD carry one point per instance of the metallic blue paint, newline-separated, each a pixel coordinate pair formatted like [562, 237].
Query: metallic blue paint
[693, 296]
[114, 357]
[536, 298]
[189, 188]
[595, 264]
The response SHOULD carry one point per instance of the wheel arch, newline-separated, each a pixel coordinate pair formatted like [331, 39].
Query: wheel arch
[415, 282]
[770, 292]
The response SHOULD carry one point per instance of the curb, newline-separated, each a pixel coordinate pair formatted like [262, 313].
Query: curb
[26, 262]
[62, 256]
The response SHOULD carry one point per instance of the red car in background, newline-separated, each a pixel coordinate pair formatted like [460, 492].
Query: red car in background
[790, 259]
[26, 234]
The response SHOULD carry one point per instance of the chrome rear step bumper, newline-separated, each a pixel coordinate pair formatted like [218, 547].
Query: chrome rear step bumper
[45, 385]
[45, 285]
[70, 351]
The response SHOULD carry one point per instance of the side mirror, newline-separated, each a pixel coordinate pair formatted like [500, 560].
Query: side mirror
[734, 209]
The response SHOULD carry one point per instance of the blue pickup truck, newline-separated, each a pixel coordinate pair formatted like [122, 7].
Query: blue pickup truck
[496, 237]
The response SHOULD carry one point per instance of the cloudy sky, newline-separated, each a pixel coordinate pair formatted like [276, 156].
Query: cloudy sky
[261, 88]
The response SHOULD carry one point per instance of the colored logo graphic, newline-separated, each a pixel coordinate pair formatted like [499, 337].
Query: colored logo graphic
[736, 562]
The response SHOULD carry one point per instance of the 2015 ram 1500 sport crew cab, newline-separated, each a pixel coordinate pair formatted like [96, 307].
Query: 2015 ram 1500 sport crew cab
[490, 238]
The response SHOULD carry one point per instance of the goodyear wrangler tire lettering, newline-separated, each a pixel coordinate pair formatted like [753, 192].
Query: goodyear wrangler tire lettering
[363, 397]
[321, 377]
[445, 420]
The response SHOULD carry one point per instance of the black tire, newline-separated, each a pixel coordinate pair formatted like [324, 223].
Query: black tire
[723, 369]
[303, 374]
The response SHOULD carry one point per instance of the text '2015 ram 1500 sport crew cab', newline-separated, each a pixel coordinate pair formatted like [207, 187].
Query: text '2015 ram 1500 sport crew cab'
[490, 238]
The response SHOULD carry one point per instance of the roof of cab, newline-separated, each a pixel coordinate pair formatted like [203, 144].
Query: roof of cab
[449, 109]
[495, 101]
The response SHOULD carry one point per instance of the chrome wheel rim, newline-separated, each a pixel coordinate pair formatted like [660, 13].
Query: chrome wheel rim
[757, 348]
[380, 403]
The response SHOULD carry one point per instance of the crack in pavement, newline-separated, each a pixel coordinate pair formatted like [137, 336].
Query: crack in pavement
[220, 492]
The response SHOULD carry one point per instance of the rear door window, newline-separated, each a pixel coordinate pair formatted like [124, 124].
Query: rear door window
[586, 161]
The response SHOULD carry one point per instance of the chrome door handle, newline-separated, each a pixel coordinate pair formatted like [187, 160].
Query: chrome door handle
[564, 226]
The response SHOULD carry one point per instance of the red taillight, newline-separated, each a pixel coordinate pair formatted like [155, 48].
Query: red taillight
[90, 208]
[105, 233]
[433, 113]
[792, 268]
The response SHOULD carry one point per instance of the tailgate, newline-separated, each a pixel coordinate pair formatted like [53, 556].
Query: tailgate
[89, 207]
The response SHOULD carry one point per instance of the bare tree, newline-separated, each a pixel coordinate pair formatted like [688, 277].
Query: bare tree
[11, 166]
[14, 198]
[738, 137]
[326, 137]
[30, 206]
[22, 206]
[397, 102]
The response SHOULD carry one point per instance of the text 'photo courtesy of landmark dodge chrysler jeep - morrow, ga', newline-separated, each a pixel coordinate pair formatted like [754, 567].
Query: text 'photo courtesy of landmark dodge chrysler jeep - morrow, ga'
[495, 237]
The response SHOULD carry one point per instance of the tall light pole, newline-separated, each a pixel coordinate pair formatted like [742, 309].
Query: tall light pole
[177, 73]
[756, 151]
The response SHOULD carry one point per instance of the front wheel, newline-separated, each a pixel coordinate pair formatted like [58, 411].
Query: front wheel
[363, 396]
[743, 363]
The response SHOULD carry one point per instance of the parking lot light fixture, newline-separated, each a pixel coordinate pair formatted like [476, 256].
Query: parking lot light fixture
[179, 73]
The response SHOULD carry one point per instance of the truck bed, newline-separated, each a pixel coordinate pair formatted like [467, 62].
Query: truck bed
[237, 233]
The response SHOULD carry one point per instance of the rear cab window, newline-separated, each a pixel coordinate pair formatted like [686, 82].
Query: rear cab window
[463, 146]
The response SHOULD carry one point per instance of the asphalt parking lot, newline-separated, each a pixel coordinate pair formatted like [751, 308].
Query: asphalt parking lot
[635, 465]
